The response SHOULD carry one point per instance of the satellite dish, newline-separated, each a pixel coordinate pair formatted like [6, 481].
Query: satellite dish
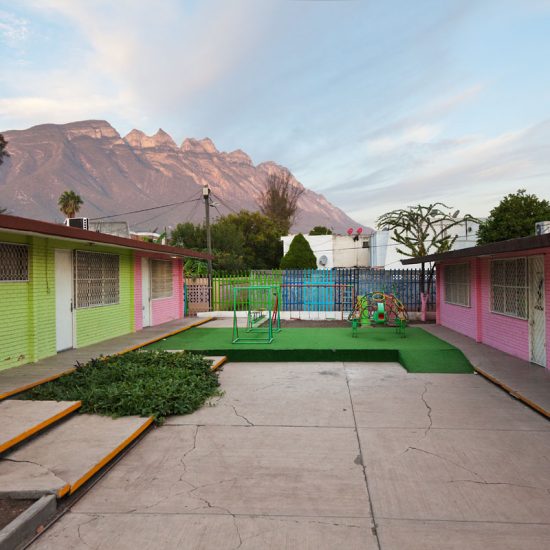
[323, 260]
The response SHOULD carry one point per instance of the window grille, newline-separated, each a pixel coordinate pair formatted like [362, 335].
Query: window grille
[509, 287]
[96, 278]
[161, 279]
[457, 284]
[14, 262]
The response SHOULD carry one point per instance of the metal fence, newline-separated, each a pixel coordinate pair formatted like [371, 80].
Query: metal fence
[321, 290]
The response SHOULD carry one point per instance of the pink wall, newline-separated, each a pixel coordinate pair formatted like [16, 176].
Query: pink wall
[162, 309]
[459, 318]
[505, 333]
[168, 309]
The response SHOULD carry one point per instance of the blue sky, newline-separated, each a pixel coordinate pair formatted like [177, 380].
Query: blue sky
[377, 105]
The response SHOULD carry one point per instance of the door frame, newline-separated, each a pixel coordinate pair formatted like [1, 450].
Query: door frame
[146, 307]
[530, 316]
[70, 254]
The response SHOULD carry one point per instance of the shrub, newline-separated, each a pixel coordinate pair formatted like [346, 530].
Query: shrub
[148, 383]
[299, 255]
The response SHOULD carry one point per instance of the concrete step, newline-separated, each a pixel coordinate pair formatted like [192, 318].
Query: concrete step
[20, 420]
[65, 457]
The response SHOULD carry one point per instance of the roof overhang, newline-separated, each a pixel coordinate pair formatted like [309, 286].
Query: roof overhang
[26, 226]
[501, 247]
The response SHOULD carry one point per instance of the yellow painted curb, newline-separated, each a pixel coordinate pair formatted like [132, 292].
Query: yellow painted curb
[216, 366]
[35, 429]
[63, 491]
[513, 392]
[183, 329]
[35, 383]
[110, 456]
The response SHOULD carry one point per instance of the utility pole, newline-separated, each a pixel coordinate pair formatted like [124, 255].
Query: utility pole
[206, 196]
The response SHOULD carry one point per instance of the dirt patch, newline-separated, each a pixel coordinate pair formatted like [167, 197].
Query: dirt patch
[306, 323]
[10, 508]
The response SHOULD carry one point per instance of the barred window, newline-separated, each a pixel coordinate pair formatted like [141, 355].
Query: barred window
[14, 262]
[96, 277]
[161, 279]
[457, 284]
[509, 287]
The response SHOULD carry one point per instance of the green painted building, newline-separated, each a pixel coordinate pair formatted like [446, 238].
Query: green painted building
[62, 287]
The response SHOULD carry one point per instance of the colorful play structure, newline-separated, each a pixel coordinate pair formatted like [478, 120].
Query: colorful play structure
[263, 318]
[379, 309]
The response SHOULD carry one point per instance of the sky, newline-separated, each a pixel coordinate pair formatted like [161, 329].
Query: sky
[377, 105]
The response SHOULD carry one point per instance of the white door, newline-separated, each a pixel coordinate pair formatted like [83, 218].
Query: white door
[537, 324]
[146, 291]
[64, 299]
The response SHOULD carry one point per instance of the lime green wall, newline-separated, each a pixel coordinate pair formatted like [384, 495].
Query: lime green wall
[27, 309]
[95, 324]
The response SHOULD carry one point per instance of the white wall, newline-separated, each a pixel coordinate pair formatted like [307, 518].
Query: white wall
[339, 250]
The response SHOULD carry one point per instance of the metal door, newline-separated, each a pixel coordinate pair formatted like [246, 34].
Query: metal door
[64, 299]
[537, 323]
[146, 292]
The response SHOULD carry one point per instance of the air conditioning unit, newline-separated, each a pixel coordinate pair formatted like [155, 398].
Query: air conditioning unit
[80, 223]
[542, 228]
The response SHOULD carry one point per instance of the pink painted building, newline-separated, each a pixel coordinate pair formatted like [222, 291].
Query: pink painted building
[158, 289]
[498, 294]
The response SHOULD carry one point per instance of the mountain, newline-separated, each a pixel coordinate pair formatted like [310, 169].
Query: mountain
[115, 175]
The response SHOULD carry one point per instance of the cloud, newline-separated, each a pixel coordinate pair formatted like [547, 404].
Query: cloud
[13, 30]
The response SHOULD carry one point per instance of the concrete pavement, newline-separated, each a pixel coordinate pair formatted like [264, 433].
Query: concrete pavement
[329, 456]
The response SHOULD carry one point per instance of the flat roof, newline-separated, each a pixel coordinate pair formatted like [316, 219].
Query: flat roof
[15, 224]
[501, 247]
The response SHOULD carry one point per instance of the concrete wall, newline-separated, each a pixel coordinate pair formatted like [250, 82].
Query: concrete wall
[339, 250]
[503, 332]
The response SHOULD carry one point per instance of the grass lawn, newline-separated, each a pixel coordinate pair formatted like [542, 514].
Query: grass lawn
[156, 384]
[418, 352]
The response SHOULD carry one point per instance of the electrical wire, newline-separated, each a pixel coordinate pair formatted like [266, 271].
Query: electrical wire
[147, 209]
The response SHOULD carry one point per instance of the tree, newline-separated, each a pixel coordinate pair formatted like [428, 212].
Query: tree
[421, 230]
[299, 255]
[247, 240]
[69, 203]
[515, 216]
[279, 201]
[320, 230]
[3, 152]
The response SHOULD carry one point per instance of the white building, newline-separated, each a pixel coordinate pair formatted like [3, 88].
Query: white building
[336, 250]
[384, 249]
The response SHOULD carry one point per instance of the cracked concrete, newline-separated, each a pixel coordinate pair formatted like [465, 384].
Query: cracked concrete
[366, 457]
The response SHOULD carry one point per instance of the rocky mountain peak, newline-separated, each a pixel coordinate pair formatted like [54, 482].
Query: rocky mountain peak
[96, 129]
[238, 157]
[205, 145]
[140, 140]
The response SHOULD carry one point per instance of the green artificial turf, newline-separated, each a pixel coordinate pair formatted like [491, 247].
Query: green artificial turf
[419, 351]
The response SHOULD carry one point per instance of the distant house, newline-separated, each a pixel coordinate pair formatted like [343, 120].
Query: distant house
[498, 294]
[333, 251]
[62, 287]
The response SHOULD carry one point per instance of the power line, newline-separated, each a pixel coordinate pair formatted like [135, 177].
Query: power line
[145, 209]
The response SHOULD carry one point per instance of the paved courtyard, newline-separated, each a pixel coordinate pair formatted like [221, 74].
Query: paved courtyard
[328, 456]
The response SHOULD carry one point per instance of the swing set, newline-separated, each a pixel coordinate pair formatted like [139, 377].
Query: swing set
[263, 318]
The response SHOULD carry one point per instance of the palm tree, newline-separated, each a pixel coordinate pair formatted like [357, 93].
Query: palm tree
[69, 203]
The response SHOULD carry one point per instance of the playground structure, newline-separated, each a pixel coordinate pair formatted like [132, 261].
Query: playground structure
[263, 317]
[379, 308]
